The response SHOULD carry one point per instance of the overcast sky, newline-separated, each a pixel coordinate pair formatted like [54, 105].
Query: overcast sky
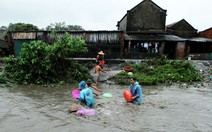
[99, 14]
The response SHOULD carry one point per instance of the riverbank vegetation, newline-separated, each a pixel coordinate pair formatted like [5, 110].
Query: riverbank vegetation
[42, 63]
[160, 71]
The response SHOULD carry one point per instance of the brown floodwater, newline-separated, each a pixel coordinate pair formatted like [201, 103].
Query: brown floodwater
[30, 108]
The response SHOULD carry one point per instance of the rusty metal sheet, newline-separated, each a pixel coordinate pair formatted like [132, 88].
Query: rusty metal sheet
[24, 35]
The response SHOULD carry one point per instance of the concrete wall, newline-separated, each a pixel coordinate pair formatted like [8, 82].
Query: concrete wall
[206, 33]
[146, 17]
[182, 29]
[123, 24]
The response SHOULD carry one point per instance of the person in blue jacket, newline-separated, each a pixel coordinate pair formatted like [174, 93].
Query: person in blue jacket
[136, 91]
[86, 95]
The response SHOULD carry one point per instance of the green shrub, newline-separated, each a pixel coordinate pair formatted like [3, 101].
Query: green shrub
[159, 71]
[41, 63]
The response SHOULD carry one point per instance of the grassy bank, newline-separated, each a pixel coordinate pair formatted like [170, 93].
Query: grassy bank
[159, 71]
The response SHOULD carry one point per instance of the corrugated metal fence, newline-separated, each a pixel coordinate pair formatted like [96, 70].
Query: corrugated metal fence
[111, 42]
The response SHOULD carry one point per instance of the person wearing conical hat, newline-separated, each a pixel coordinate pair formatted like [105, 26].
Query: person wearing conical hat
[100, 58]
[101, 53]
[97, 70]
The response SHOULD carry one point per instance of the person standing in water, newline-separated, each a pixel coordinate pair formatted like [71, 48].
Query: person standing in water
[136, 91]
[97, 71]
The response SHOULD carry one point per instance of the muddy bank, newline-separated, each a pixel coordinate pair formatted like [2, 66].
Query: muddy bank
[172, 108]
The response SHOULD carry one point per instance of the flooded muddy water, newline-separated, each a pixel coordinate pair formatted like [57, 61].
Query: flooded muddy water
[164, 109]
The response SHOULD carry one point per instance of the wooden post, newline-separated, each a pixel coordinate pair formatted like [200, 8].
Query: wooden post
[161, 48]
[180, 50]
[129, 45]
[122, 44]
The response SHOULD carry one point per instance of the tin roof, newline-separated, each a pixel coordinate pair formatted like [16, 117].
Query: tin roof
[206, 30]
[173, 38]
[153, 37]
[199, 39]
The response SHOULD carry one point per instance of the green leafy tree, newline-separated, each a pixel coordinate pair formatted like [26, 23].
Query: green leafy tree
[3, 28]
[22, 27]
[74, 27]
[41, 63]
[18, 27]
[61, 26]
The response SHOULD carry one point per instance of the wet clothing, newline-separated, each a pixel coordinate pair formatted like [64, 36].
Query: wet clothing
[87, 97]
[136, 89]
[101, 64]
[96, 77]
[97, 71]
[82, 84]
[100, 60]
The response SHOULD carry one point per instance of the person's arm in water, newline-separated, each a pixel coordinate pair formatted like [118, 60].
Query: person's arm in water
[96, 88]
[95, 93]
[134, 97]
[138, 90]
